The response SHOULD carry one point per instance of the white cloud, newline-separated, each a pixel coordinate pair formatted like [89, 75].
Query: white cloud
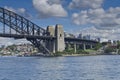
[49, 8]
[10, 41]
[105, 35]
[99, 18]
[54, 1]
[85, 4]
[6, 41]
[106, 22]
[20, 11]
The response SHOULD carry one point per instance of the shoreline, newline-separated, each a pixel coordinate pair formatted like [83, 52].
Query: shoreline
[61, 55]
[77, 55]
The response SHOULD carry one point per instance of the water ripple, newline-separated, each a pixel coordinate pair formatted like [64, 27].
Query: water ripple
[60, 68]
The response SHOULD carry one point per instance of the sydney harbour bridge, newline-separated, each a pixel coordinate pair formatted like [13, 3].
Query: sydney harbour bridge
[47, 41]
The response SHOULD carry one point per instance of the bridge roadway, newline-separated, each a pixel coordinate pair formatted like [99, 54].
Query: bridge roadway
[19, 36]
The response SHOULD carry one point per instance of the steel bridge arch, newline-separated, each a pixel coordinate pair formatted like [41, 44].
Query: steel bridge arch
[24, 26]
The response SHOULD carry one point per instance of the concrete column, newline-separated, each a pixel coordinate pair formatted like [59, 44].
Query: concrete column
[84, 46]
[75, 48]
[91, 46]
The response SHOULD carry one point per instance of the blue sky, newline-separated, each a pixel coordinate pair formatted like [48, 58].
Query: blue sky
[66, 21]
[99, 18]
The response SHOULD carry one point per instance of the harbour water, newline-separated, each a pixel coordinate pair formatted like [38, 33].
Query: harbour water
[105, 67]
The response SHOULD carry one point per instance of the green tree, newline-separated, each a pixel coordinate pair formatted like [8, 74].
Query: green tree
[97, 46]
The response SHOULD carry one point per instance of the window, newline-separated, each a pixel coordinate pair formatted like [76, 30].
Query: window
[60, 35]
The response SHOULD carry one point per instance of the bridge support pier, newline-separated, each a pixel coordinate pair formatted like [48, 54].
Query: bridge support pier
[75, 48]
[84, 46]
[91, 46]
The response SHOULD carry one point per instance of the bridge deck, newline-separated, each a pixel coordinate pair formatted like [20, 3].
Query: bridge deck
[19, 36]
[79, 40]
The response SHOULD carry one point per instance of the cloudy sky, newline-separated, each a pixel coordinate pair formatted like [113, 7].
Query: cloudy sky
[99, 18]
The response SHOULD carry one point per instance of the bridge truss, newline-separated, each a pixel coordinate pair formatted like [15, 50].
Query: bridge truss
[23, 26]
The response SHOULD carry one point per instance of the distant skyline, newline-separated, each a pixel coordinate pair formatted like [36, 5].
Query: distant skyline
[99, 18]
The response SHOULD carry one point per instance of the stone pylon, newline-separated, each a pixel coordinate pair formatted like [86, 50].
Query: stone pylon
[58, 44]
[59, 34]
[51, 43]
